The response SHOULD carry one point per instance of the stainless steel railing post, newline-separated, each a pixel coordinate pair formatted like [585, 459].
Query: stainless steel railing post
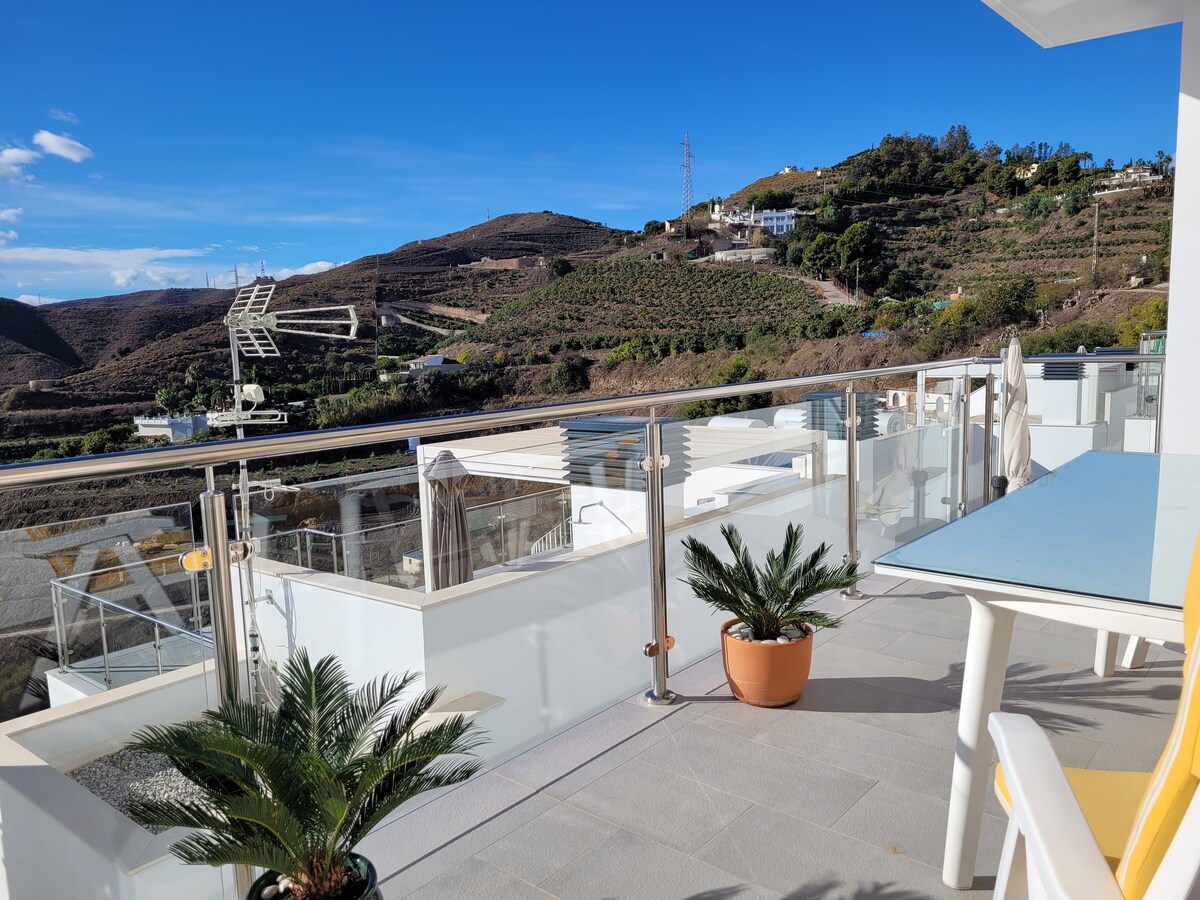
[989, 410]
[1158, 407]
[224, 627]
[851, 422]
[661, 643]
[104, 649]
[964, 412]
[158, 649]
[60, 631]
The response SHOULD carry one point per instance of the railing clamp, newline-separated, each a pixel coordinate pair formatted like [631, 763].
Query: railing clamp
[663, 462]
[200, 559]
[853, 422]
[651, 649]
[846, 557]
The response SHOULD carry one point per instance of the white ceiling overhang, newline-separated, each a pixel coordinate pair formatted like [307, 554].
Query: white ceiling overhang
[1055, 22]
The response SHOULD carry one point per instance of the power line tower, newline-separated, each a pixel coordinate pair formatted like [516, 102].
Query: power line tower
[688, 202]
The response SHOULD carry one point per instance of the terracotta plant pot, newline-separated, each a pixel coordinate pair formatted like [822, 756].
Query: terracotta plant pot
[368, 891]
[771, 674]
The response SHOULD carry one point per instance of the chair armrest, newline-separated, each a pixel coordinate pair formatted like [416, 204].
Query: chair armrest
[1059, 843]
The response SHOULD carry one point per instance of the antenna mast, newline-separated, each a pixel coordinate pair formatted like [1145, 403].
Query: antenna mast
[687, 177]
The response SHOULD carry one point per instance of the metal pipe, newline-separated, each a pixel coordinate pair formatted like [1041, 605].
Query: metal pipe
[964, 486]
[989, 412]
[660, 644]
[1158, 408]
[851, 422]
[161, 459]
[60, 635]
[224, 630]
[104, 650]
[158, 649]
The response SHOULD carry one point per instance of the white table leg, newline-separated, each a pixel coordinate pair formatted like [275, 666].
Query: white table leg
[988, 642]
[1135, 652]
[1106, 653]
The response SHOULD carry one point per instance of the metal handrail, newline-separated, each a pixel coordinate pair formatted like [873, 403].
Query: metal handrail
[120, 609]
[160, 459]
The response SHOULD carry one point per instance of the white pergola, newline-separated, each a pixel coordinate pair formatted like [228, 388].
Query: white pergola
[1055, 22]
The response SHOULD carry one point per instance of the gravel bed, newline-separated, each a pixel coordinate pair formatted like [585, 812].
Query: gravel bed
[129, 776]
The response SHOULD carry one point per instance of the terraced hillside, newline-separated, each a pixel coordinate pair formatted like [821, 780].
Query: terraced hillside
[606, 302]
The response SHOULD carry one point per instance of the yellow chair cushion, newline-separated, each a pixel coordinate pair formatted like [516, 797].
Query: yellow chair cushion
[1109, 801]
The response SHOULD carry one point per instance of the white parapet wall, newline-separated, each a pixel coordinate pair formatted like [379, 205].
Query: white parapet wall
[57, 839]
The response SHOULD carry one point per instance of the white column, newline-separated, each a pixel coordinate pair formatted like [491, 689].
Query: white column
[1180, 411]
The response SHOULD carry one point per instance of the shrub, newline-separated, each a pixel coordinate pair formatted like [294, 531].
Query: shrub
[568, 376]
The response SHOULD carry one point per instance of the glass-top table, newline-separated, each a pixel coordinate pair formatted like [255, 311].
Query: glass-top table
[1105, 541]
[1113, 525]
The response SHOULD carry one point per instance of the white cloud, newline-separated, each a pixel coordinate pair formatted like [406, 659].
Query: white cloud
[6, 236]
[37, 299]
[125, 267]
[61, 145]
[11, 214]
[311, 268]
[13, 161]
[64, 115]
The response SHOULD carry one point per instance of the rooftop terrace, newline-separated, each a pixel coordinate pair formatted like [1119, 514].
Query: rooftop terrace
[843, 795]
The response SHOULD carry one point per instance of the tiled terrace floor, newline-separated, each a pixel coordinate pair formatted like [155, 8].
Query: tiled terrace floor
[842, 796]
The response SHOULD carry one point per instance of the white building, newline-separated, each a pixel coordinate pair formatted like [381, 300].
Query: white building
[775, 221]
[174, 428]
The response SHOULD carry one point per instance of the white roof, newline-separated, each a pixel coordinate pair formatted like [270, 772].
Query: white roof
[1055, 22]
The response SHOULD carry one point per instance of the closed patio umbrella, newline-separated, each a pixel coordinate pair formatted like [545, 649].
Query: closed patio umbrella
[449, 553]
[1018, 462]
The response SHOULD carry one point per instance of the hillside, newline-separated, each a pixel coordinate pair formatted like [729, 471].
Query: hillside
[908, 222]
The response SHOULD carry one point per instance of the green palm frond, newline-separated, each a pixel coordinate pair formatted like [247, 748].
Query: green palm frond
[774, 595]
[295, 789]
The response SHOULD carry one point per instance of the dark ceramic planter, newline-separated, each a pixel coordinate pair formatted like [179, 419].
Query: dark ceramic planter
[370, 891]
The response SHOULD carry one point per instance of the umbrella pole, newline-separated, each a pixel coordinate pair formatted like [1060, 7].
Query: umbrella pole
[1000, 481]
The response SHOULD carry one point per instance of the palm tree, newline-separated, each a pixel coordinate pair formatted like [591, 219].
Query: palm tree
[768, 598]
[294, 789]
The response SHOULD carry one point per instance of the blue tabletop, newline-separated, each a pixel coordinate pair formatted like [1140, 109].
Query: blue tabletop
[1115, 525]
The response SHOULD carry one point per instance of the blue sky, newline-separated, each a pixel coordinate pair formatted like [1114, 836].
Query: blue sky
[147, 144]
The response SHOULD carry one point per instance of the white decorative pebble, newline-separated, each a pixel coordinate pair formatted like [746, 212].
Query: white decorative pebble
[271, 890]
[285, 885]
[783, 640]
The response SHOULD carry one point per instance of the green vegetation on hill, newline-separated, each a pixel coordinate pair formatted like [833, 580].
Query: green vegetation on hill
[603, 304]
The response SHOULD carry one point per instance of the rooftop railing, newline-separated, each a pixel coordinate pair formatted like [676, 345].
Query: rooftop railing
[886, 455]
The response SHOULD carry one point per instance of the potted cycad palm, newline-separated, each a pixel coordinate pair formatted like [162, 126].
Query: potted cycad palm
[293, 789]
[767, 646]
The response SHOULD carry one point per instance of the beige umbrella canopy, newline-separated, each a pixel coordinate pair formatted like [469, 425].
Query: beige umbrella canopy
[449, 553]
[1018, 463]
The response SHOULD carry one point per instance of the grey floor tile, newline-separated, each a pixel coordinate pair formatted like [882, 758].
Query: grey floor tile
[627, 866]
[918, 717]
[797, 785]
[905, 823]
[426, 843]
[863, 636]
[474, 879]
[662, 805]
[845, 697]
[803, 860]
[889, 673]
[562, 765]
[870, 751]
[542, 846]
[1115, 758]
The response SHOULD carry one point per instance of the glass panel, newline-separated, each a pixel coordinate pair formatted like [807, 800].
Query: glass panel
[756, 469]
[512, 563]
